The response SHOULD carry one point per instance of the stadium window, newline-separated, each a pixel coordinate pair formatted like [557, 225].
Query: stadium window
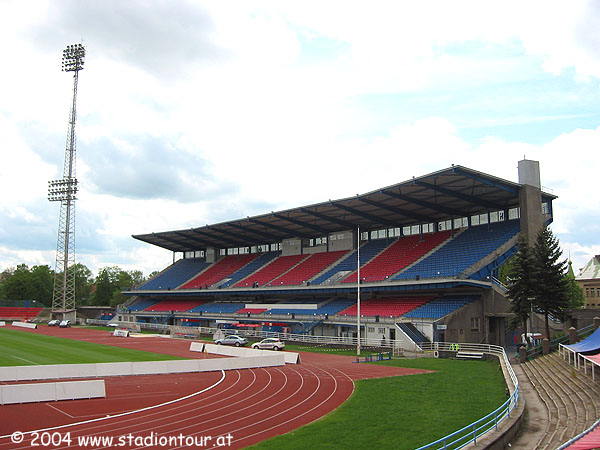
[545, 208]
[381, 330]
[483, 219]
[381, 234]
[371, 330]
[406, 231]
[427, 228]
[222, 251]
[364, 236]
[514, 213]
[474, 220]
[415, 229]
[494, 216]
[475, 323]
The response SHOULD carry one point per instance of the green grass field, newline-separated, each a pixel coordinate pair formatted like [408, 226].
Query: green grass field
[20, 348]
[405, 412]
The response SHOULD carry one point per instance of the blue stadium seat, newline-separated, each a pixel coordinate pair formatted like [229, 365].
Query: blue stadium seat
[463, 251]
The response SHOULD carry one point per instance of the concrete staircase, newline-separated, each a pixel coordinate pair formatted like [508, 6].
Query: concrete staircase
[571, 399]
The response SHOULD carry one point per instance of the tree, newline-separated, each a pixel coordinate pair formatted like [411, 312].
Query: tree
[83, 284]
[111, 281]
[521, 284]
[15, 286]
[552, 286]
[576, 297]
[41, 284]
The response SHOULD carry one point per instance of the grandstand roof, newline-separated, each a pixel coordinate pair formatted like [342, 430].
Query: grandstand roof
[453, 192]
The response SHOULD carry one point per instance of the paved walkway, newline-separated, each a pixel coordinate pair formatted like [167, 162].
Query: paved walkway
[536, 415]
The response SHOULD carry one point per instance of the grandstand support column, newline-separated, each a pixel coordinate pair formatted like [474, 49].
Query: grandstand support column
[64, 191]
[530, 198]
[358, 291]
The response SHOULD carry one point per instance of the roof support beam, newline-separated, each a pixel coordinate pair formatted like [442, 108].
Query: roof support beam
[262, 234]
[418, 217]
[282, 230]
[432, 206]
[467, 198]
[217, 241]
[486, 180]
[342, 223]
[364, 215]
[302, 224]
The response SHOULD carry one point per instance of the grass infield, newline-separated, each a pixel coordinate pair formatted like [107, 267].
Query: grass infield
[20, 348]
[405, 412]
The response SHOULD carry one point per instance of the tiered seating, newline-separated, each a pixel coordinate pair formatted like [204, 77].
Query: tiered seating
[173, 305]
[463, 251]
[255, 265]
[176, 274]
[309, 268]
[272, 270]
[389, 306]
[367, 251]
[219, 270]
[141, 304]
[218, 307]
[330, 308]
[399, 255]
[18, 312]
[439, 307]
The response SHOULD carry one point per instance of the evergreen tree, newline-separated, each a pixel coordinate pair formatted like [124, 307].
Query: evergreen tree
[576, 297]
[552, 286]
[521, 284]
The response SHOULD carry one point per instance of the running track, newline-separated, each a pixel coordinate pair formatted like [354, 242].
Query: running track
[242, 407]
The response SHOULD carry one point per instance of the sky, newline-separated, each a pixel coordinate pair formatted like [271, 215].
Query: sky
[198, 112]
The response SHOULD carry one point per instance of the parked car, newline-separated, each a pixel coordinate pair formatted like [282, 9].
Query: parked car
[53, 323]
[65, 324]
[232, 340]
[269, 344]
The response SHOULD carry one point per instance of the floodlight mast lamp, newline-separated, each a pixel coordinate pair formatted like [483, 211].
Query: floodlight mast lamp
[64, 191]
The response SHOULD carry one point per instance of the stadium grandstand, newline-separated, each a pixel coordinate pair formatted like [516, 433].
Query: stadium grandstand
[422, 256]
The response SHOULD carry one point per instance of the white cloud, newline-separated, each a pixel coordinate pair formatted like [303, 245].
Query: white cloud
[196, 112]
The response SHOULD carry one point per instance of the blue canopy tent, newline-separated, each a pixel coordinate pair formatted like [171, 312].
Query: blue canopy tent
[589, 345]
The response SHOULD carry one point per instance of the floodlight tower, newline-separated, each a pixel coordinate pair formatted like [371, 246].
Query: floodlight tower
[64, 191]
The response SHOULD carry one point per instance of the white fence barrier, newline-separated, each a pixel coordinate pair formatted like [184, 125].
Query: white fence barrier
[45, 392]
[62, 371]
[242, 352]
[24, 325]
[121, 333]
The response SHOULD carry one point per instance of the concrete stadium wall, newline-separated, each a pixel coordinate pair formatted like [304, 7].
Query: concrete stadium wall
[242, 352]
[62, 371]
[44, 392]
[24, 325]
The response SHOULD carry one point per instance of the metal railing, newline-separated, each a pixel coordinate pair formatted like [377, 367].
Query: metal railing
[554, 343]
[474, 431]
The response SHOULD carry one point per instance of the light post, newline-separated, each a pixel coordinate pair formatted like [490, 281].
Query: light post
[64, 191]
[358, 292]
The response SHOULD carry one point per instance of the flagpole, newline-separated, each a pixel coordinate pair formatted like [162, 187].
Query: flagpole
[358, 293]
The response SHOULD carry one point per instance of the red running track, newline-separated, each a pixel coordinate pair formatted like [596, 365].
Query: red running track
[231, 409]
